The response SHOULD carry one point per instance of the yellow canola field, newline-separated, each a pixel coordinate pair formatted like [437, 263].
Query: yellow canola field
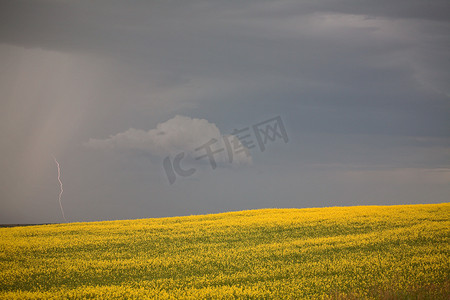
[369, 252]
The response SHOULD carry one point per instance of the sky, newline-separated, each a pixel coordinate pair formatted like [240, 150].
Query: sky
[307, 103]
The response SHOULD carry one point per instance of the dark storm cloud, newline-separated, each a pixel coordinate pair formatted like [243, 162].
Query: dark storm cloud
[361, 85]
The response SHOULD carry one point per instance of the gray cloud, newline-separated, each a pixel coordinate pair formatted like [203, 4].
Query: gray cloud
[362, 87]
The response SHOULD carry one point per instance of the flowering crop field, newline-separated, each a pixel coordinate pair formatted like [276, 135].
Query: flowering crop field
[369, 252]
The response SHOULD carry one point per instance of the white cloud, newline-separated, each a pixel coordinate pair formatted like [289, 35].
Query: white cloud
[179, 134]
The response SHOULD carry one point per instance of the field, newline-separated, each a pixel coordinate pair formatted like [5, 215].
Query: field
[379, 252]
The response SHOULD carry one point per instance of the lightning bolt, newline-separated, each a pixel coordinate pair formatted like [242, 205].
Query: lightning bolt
[61, 188]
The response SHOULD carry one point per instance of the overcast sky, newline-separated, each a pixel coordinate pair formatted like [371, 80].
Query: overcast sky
[125, 93]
